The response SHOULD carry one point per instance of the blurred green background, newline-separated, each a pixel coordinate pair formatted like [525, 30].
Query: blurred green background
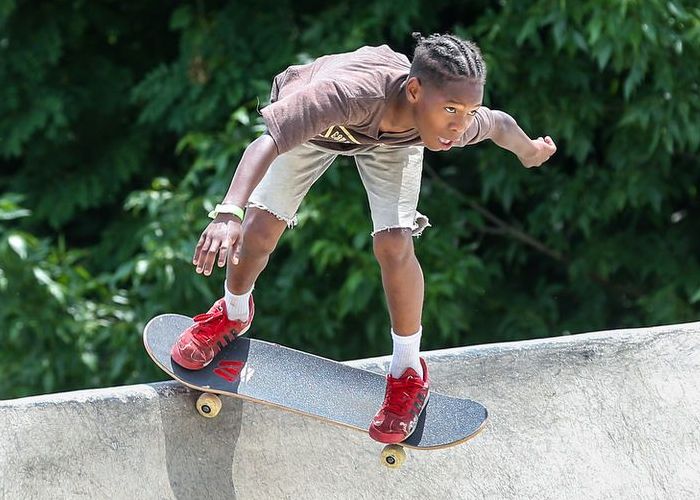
[121, 124]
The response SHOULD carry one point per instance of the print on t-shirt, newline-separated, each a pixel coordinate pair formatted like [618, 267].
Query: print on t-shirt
[338, 133]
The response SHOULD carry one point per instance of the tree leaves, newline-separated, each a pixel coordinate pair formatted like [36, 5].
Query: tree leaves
[121, 124]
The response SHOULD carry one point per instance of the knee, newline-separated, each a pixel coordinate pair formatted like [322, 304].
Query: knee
[393, 247]
[261, 232]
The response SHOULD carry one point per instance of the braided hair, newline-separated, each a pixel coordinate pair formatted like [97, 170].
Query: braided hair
[446, 57]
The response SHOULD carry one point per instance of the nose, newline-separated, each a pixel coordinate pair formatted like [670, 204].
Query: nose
[458, 127]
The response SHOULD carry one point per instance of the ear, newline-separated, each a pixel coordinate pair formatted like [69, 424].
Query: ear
[414, 89]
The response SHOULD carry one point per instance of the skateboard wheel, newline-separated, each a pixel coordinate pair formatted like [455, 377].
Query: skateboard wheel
[393, 456]
[208, 405]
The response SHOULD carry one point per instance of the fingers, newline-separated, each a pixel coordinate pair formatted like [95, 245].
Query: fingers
[236, 253]
[213, 243]
[207, 255]
[232, 232]
[236, 238]
[200, 251]
[223, 252]
[545, 149]
[549, 143]
[211, 256]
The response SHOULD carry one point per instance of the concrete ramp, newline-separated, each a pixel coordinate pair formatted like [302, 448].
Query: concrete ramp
[602, 415]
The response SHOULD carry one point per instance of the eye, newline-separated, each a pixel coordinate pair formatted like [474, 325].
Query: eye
[472, 113]
[451, 110]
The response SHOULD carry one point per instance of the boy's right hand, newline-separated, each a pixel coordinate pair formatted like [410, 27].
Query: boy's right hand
[221, 236]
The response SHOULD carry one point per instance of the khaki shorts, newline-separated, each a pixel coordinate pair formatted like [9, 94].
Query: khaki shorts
[391, 176]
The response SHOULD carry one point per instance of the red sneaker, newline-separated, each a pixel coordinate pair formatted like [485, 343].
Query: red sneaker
[201, 342]
[403, 403]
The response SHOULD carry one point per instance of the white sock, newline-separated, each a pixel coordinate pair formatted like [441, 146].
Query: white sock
[406, 354]
[237, 305]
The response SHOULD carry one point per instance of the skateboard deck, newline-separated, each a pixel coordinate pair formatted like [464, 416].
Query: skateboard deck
[296, 381]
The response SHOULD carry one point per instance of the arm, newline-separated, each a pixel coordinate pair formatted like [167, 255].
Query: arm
[224, 231]
[508, 135]
[301, 116]
[254, 163]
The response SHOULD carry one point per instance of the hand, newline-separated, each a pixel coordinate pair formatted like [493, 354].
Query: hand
[543, 150]
[220, 236]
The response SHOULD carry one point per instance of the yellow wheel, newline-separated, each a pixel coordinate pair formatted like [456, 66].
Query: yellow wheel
[208, 405]
[393, 456]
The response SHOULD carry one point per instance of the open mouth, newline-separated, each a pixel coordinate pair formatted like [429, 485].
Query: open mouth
[445, 142]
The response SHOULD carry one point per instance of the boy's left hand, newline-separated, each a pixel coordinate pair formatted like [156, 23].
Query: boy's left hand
[543, 149]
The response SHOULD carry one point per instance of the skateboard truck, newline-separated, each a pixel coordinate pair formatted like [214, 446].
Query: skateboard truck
[258, 371]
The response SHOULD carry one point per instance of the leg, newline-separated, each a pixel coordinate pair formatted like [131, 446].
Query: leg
[408, 385]
[402, 278]
[232, 315]
[403, 287]
[261, 232]
[392, 179]
[272, 207]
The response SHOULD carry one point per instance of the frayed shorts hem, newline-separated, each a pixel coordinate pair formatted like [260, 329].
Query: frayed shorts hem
[291, 222]
[419, 225]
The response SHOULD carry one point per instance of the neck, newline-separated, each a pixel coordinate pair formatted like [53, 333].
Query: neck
[398, 116]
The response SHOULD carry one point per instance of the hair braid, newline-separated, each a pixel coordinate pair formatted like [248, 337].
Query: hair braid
[447, 57]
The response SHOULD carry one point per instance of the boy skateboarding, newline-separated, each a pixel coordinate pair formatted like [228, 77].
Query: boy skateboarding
[376, 106]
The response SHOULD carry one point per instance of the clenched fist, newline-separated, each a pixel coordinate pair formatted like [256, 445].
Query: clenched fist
[543, 149]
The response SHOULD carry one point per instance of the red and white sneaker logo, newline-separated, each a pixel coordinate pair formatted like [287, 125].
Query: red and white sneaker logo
[234, 371]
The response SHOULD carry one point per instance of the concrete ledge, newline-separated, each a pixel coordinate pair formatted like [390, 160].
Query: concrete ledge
[601, 415]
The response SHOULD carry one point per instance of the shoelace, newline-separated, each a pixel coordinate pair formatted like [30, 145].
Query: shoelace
[201, 333]
[401, 394]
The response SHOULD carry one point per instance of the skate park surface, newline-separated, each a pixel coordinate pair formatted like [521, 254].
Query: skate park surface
[612, 414]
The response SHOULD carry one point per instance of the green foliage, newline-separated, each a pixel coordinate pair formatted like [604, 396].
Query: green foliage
[617, 90]
[121, 125]
[62, 326]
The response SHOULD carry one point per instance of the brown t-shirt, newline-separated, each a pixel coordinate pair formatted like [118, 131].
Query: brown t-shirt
[338, 101]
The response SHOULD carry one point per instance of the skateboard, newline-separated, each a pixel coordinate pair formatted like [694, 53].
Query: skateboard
[259, 371]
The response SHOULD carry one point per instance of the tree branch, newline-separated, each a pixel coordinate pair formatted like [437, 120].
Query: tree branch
[503, 226]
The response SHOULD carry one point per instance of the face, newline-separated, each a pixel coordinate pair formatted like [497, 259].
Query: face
[442, 114]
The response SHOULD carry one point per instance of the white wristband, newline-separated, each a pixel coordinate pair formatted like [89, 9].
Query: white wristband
[227, 208]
